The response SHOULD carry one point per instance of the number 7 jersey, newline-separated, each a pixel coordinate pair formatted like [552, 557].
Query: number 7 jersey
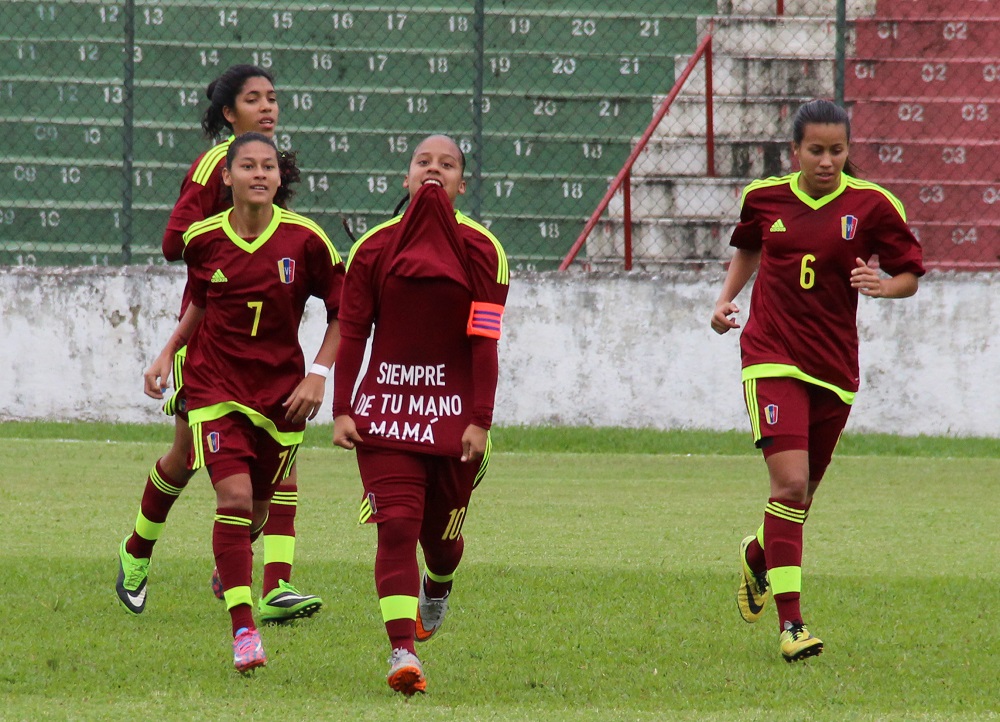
[803, 311]
[245, 355]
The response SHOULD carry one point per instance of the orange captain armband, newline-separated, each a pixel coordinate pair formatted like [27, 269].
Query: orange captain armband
[485, 319]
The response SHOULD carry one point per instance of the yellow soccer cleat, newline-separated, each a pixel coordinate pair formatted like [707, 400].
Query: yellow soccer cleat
[796, 642]
[752, 596]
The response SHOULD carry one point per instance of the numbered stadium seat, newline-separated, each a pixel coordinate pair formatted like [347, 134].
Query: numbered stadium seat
[894, 36]
[566, 88]
[958, 78]
[925, 93]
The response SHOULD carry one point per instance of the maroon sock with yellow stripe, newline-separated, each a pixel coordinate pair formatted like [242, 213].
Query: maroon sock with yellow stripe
[158, 496]
[279, 537]
[783, 521]
[397, 579]
[234, 560]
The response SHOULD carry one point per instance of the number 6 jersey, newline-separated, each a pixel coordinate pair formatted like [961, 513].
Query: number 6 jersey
[803, 311]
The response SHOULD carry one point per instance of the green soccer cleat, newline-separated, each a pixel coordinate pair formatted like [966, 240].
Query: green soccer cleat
[406, 674]
[132, 576]
[285, 603]
[752, 595]
[430, 613]
[796, 642]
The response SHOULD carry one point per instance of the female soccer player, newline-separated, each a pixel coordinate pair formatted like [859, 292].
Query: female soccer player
[433, 283]
[809, 236]
[250, 272]
[242, 99]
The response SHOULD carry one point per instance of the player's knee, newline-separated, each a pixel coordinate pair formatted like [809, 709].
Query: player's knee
[175, 465]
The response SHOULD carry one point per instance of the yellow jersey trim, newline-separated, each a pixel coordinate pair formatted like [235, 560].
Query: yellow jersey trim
[771, 371]
[817, 203]
[299, 220]
[209, 161]
[369, 234]
[503, 269]
[868, 185]
[217, 411]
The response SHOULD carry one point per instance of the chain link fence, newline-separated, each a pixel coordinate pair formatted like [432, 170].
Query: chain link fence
[547, 98]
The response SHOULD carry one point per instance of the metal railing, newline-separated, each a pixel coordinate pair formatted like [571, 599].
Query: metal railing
[623, 180]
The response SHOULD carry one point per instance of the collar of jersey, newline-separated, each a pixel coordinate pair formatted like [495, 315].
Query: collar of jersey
[260, 240]
[816, 203]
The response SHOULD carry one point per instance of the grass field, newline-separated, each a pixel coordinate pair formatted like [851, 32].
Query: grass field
[598, 584]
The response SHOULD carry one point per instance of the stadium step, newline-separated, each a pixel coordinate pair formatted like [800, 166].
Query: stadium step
[889, 37]
[948, 200]
[755, 116]
[926, 159]
[974, 78]
[757, 75]
[786, 36]
[947, 9]
[686, 157]
[960, 245]
[796, 8]
[657, 240]
[920, 118]
[675, 197]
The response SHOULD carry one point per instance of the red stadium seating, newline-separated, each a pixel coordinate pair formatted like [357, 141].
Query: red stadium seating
[953, 77]
[935, 9]
[927, 38]
[923, 86]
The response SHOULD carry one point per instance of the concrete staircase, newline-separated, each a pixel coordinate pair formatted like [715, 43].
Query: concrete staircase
[764, 67]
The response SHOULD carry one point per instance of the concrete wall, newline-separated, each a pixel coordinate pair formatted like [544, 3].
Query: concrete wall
[603, 350]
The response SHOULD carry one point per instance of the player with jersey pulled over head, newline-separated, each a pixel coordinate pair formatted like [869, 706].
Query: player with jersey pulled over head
[242, 99]
[810, 237]
[433, 284]
[250, 271]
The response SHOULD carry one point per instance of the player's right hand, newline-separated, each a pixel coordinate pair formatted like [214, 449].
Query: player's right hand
[345, 432]
[721, 321]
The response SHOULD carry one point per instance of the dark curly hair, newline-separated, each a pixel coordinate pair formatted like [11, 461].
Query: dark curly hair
[287, 167]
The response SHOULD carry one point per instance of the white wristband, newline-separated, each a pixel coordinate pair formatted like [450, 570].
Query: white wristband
[320, 370]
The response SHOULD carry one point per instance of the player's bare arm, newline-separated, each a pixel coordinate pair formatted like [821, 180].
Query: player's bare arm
[871, 283]
[307, 398]
[741, 268]
[156, 376]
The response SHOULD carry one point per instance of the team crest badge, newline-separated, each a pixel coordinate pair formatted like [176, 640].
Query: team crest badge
[848, 227]
[214, 441]
[771, 414]
[286, 270]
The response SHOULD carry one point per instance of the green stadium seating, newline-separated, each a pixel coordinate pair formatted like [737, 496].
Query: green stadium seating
[567, 86]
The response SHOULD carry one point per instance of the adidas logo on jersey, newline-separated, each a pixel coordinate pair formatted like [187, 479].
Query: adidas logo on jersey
[778, 227]
[219, 276]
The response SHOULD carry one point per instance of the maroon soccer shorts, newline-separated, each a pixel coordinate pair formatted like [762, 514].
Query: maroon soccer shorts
[407, 485]
[233, 445]
[791, 415]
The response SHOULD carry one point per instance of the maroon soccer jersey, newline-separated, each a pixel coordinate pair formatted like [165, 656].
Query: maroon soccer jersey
[202, 195]
[254, 293]
[803, 311]
[434, 284]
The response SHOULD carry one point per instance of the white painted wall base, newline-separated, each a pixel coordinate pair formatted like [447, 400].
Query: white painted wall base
[604, 350]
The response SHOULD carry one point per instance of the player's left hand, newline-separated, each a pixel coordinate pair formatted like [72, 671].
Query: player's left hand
[306, 399]
[473, 443]
[154, 379]
[866, 279]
